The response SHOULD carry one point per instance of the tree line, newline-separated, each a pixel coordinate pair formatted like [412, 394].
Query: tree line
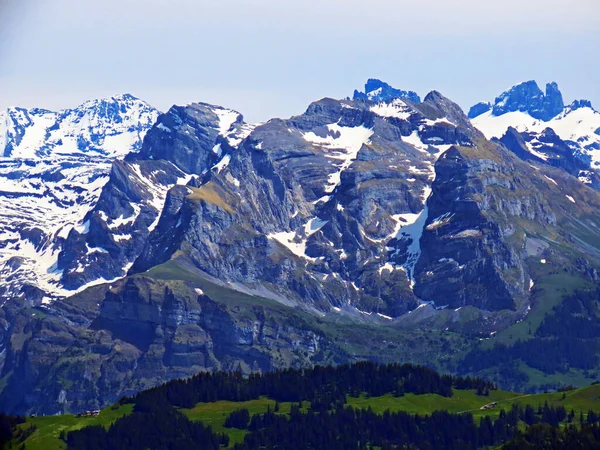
[161, 428]
[329, 422]
[349, 428]
[293, 385]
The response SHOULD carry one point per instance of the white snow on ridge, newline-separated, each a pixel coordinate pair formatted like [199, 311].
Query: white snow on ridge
[224, 162]
[396, 108]
[234, 135]
[91, 129]
[374, 93]
[578, 125]
[573, 125]
[296, 241]
[414, 231]
[495, 126]
[532, 147]
[227, 118]
[289, 240]
[416, 141]
[343, 145]
[53, 177]
[52, 207]
[443, 120]
[314, 225]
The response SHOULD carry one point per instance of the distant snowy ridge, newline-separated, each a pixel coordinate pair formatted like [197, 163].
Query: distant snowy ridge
[109, 127]
[522, 108]
[53, 166]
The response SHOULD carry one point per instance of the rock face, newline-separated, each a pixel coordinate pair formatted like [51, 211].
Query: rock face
[309, 204]
[479, 109]
[142, 333]
[528, 98]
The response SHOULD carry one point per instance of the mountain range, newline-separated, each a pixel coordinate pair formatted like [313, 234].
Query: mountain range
[140, 246]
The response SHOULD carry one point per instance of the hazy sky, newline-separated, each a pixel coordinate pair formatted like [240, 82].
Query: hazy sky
[273, 57]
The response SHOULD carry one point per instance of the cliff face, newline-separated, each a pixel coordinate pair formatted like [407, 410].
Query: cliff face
[306, 207]
[86, 354]
[367, 205]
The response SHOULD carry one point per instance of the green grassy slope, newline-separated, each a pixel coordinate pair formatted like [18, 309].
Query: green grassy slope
[47, 436]
[214, 414]
[580, 400]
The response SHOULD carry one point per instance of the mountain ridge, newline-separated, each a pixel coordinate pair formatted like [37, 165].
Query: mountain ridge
[54, 167]
[358, 223]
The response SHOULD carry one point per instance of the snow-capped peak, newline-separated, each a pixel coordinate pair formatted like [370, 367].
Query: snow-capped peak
[379, 91]
[108, 127]
[527, 109]
[53, 166]
[527, 98]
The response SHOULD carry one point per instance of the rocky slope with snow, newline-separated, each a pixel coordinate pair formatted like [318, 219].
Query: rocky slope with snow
[550, 131]
[379, 227]
[52, 171]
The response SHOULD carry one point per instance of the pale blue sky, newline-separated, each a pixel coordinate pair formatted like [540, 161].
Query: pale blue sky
[270, 58]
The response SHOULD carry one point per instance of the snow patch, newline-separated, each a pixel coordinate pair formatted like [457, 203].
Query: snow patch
[343, 145]
[397, 109]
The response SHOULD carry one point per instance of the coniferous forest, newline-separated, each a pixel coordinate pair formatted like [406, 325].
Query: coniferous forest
[320, 417]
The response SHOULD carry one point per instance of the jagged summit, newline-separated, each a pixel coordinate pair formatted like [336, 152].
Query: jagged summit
[578, 104]
[52, 171]
[528, 110]
[106, 127]
[525, 97]
[379, 91]
[478, 109]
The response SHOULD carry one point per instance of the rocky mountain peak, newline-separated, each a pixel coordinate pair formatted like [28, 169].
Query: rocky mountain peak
[379, 91]
[578, 104]
[525, 97]
[194, 136]
[479, 109]
[106, 127]
[446, 107]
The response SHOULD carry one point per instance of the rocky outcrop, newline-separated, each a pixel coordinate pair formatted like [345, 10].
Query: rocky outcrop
[528, 97]
[577, 104]
[85, 355]
[479, 109]
[308, 204]
[549, 149]
[379, 91]
[464, 256]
